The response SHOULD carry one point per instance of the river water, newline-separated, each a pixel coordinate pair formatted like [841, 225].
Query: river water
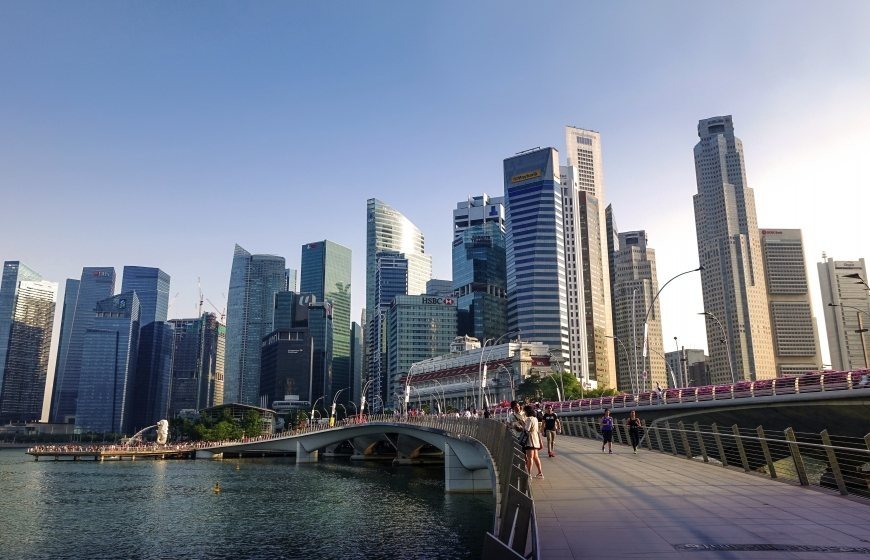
[267, 508]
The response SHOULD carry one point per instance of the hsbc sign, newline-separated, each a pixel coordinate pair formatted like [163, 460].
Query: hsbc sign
[430, 300]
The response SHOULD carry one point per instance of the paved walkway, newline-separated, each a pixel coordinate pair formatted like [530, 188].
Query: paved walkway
[597, 506]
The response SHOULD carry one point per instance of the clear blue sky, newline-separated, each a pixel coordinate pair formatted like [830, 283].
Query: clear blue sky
[161, 133]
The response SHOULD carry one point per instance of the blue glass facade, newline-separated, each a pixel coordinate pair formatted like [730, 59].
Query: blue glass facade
[391, 280]
[96, 284]
[153, 381]
[13, 273]
[111, 346]
[536, 284]
[254, 281]
[480, 281]
[152, 288]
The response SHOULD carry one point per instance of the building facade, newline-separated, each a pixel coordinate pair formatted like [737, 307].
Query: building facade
[795, 336]
[688, 364]
[152, 384]
[152, 288]
[254, 281]
[27, 305]
[391, 280]
[847, 311]
[729, 249]
[537, 291]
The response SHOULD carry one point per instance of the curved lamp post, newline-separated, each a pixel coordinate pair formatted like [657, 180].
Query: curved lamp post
[725, 340]
[334, 401]
[667, 367]
[362, 399]
[627, 361]
[481, 367]
[314, 406]
[559, 365]
[510, 377]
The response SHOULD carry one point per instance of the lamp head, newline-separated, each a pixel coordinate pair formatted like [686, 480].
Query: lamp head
[833, 305]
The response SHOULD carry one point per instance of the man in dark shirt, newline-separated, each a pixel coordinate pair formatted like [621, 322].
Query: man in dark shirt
[552, 426]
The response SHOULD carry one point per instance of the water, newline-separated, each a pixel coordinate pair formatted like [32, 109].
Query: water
[268, 508]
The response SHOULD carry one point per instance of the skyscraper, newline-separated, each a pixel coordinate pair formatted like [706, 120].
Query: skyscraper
[849, 315]
[357, 357]
[96, 284]
[391, 280]
[108, 369]
[152, 288]
[535, 250]
[326, 268]
[586, 226]
[479, 267]
[152, 383]
[795, 336]
[254, 281]
[27, 305]
[729, 249]
[634, 288]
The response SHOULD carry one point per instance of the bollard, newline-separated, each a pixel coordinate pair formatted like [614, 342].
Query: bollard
[770, 467]
[796, 457]
[685, 439]
[740, 449]
[832, 462]
[718, 439]
[701, 443]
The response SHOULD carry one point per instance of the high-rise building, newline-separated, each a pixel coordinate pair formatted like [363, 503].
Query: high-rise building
[27, 304]
[292, 284]
[108, 369]
[326, 268]
[537, 291]
[254, 281]
[152, 383]
[586, 226]
[795, 336]
[419, 327]
[152, 288]
[847, 311]
[635, 286]
[198, 363]
[96, 284]
[357, 357]
[689, 364]
[391, 280]
[437, 287]
[729, 248]
[479, 267]
[612, 249]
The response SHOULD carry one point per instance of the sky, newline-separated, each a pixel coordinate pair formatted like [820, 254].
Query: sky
[163, 133]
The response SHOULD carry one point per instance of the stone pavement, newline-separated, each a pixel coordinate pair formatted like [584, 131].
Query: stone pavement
[598, 506]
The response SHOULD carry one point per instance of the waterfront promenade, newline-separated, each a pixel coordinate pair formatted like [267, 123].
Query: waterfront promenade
[661, 507]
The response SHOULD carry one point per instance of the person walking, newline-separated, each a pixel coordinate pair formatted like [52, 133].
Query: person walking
[607, 430]
[552, 426]
[516, 419]
[634, 424]
[533, 443]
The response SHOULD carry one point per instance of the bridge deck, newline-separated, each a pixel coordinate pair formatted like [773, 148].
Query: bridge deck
[594, 505]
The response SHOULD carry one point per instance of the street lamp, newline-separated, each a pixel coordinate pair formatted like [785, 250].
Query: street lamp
[627, 362]
[408, 385]
[557, 359]
[334, 400]
[481, 367]
[725, 340]
[313, 406]
[861, 330]
[510, 377]
[667, 367]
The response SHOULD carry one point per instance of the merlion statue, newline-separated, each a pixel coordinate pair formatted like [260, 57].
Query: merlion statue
[162, 432]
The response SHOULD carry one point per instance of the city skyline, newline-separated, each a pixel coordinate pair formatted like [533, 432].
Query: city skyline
[79, 149]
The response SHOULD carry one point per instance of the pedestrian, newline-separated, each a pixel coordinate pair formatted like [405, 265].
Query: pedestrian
[607, 430]
[533, 442]
[552, 426]
[634, 424]
[516, 419]
[486, 413]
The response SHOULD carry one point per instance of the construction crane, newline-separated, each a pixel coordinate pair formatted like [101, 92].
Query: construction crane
[202, 299]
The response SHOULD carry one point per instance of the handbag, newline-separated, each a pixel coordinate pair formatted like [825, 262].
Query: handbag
[524, 439]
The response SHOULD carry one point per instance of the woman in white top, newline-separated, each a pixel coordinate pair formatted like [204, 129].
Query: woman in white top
[534, 442]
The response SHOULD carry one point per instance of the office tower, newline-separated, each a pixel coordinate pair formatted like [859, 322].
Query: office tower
[292, 284]
[690, 365]
[729, 249]
[635, 286]
[27, 305]
[198, 363]
[419, 327]
[612, 249]
[109, 366]
[152, 382]
[441, 288]
[357, 358]
[96, 284]
[479, 267]
[390, 280]
[70, 292]
[795, 337]
[537, 291]
[254, 281]
[325, 273]
[152, 288]
[388, 230]
[586, 226]
[847, 306]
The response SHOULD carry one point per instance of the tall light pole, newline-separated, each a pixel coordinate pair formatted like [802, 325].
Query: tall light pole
[667, 367]
[510, 377]
[627, 362]
[861, 330]
[334, 401]
[313, 406]
[558, 362]
[481, 367]
[408, 386]
[362, 401]
[683, 365]
[725, 340]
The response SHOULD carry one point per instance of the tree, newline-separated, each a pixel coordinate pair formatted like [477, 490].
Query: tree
[251, 425]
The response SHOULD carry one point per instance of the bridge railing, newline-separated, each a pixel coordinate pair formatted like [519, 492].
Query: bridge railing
[833, 462]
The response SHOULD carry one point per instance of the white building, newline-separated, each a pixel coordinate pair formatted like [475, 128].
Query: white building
[846, 306]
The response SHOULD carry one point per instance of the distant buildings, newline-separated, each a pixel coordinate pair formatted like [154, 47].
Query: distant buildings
[152, 288]
[847, 311]
[690, 364]
[27, 304]
[198, 363]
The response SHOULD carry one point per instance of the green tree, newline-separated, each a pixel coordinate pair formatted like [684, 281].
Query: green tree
[251, 424]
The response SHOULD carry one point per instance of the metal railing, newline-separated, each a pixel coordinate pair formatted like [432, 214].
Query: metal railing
[833, 462]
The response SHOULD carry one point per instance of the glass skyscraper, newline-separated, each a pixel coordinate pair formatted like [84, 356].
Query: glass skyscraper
[96, 284]
[153, 380]
[152, 288]
[535, 247]
[197, 364]
[27, 304]
[254, 281]
[111, 346]
[326, 268]
[391, 280]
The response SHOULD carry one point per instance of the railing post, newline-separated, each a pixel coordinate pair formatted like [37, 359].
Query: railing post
[658, 438]
[618, 433]
[590, 423]
[740, 449]
[701, 443]
[832, 461]
[685, 439]
[796, 457]
[768, 459]
[718, 439]
[671, 438]
[648, 438]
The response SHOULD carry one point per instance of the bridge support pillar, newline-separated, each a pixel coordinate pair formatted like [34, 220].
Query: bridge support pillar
[303, 456]
[458, 479]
